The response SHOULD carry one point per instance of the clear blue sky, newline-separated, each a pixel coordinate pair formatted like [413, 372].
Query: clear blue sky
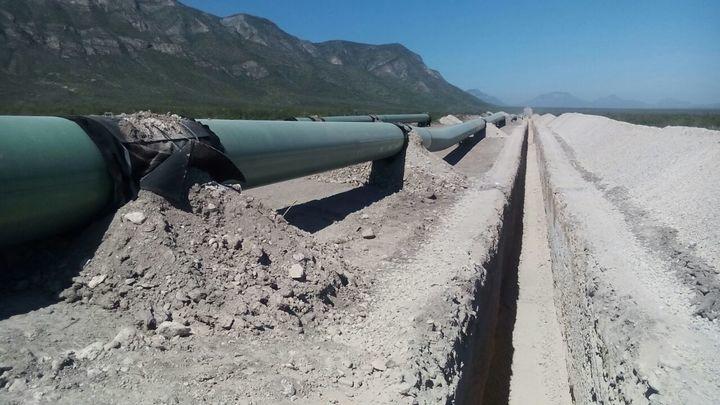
[637, 49]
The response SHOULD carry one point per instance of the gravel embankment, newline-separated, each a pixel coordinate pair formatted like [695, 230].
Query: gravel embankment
[633, 235]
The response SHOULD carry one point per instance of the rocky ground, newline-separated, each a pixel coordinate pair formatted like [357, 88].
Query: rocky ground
[283, 293]
[576, 263]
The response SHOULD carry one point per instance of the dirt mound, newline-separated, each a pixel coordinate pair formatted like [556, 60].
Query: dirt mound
[424, 172]
[228, 263]
[449, 120]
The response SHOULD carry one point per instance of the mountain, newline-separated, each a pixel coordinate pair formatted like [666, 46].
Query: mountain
[557, 99]
[486, 97]
[566, 100]
[99, 55]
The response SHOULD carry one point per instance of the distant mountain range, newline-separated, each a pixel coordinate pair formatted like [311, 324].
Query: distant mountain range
[100, 55]
[560, 99]
[486, 97]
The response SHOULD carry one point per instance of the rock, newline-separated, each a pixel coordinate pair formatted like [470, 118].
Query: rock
[364, 216]
[136, 217]
[124, 338]
[235, 242]
[158, 342]
[96, 281]
[226, 322]
[211, 208]
[367, 233]
[296, 272]
[182, 297]
[288, 389]
[298, 257]
[108, 302]
[308, 318]
[150, 321]
[18, 385]
[171, 329]
[90, 352]
[70, 295]
[65, 360]
[197, 294]
[379, 364]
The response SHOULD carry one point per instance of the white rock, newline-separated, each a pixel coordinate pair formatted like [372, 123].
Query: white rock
[135, 217]
[379, 364]
[90, 352]
[97, 280]
[171, 329]
[296, 271]
[367, 233]
[18, 385]
[288, 387]
[124, 337]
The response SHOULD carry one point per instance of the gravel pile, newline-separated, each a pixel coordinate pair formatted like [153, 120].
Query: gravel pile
[666, 182]
[229, 263]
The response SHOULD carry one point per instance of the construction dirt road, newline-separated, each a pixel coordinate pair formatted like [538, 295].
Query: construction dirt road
[553, 261]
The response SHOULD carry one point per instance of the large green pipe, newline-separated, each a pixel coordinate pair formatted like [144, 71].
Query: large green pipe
[439, 138]
[52, 178]
[394, 118]
[499, 118]
[272, 151]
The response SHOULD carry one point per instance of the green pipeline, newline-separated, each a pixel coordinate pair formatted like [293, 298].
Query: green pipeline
[439, 138]
[393, 118]
[53, 177]
[271, 151]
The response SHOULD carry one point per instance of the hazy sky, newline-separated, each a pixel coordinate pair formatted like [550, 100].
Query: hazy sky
[637, 49]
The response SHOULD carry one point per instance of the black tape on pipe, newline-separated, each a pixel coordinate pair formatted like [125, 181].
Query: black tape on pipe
[155, 153]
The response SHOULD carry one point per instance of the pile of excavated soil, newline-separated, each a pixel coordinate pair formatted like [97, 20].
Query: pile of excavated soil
[546, 119]
[636, 289]
[425, 173]
[229, 263]
[666, 182]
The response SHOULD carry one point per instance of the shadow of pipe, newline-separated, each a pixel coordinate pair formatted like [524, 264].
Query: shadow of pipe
[316, 215]
[464, 148]
[33, 275]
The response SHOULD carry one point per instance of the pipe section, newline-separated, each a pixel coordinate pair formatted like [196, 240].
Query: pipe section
[394, 118]
[499, 118]
[271, 151]
[52, 178]
[439, 138]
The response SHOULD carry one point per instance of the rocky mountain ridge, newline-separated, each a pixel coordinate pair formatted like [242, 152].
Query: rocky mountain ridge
[145, 53]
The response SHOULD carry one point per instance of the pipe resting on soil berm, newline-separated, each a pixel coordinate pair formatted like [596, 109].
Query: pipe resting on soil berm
[60, 173]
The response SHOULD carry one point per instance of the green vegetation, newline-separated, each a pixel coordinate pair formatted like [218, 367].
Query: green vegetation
[709, 119]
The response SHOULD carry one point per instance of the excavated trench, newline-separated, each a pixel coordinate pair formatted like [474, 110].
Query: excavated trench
[488, 352]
